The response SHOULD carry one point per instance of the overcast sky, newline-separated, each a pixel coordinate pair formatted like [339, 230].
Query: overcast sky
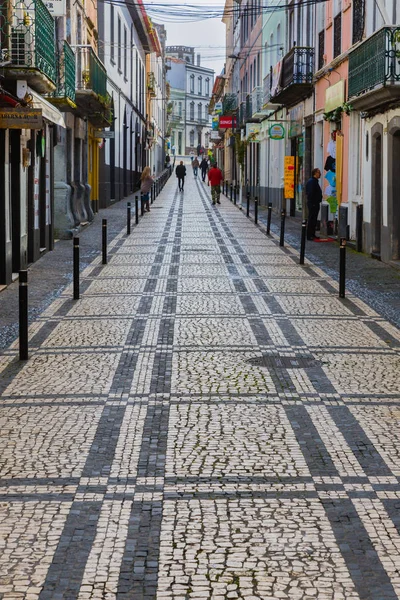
[207, 36]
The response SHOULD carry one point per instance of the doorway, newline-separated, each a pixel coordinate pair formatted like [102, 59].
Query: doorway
[376, 191]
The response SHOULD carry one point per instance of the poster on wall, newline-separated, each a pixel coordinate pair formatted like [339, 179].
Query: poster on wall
[288, 177]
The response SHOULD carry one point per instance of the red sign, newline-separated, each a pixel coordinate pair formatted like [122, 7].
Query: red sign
[226, 122]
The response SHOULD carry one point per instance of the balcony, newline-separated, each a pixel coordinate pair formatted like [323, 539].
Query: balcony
[242, 114]
[151, 84]
[229, 104]
[92, 97]
[27, 34]
[293, 80]
[374, 70]
[64, 96]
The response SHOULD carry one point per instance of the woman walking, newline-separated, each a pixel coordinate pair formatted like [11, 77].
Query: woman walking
[145, 187]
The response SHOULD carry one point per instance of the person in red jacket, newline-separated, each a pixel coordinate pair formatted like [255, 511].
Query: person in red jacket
[215, 178]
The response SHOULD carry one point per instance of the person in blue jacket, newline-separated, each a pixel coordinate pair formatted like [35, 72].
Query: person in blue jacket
[314, 199]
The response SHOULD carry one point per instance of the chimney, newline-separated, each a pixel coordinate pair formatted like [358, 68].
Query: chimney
[198, 60]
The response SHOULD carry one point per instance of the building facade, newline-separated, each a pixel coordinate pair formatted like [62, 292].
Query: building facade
[191, 87]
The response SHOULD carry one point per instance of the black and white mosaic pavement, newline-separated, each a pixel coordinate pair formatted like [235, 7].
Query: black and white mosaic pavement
[209, 421]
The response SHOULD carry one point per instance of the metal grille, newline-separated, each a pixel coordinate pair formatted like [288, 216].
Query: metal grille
[358, 20]
[91, 73]
[229, 103]
[267, 89]
[27, 33]
[375, 62]
[337, 35]
[321, 48]
[66, 73]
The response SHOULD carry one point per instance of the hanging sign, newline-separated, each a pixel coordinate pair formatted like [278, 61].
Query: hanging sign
[56, 7]
[253, 130]
[288, 177]
[106, 135]
[276, 132]
[227, 122]
[218, 108]
[21, 118]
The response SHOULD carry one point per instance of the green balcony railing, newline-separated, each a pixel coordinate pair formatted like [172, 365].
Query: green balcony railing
[229, 104]
[66, 73]
[27, 31]
[375, 62]
[249, 107]
[91, 74]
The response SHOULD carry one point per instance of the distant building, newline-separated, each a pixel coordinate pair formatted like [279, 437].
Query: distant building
[191, 87]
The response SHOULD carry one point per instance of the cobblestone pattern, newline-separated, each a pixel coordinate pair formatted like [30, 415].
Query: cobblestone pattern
[208, 421]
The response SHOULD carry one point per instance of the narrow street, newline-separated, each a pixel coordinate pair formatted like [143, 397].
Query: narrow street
[208, 421]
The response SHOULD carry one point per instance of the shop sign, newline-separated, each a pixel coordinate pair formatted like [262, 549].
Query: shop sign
[215, 123]
[288, 176]
[105, 135]
[334, 96]
[218, 108]
[253, 130]
[56, 7]
[276, 131]
[21, 118]
[214, 135]
[227, 122]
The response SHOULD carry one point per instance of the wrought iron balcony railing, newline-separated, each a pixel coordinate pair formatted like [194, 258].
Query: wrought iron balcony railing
[257, 99]
[229, 104]
[295, 80]
[242, 114]
[151, 83]
[374, 69]
[267, 89]
[27, 37]
[91, 74]
[66, 73]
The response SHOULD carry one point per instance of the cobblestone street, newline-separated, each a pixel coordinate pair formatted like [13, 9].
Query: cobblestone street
[208, 421]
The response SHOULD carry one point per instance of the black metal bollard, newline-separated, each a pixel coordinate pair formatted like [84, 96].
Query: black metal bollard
[151, 193]
[256, 210]
[76, 267]
[23, 315]
[141, 205]
[282, 238]
[226, 187]
[231, 192]
[342, 268]
[303, 241]
[104, 241]
[128, 219]
[136, 210]
[269, 217]
[248, 204]
[234, 195]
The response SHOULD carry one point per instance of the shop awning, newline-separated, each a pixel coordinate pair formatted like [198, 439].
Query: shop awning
[49, 112]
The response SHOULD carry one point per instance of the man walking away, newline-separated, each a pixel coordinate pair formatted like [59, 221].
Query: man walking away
[215, 179]
[195, 165]
[204, 168]
[181, 173]
[314, 199]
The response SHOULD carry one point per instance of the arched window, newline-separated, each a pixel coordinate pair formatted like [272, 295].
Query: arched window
[207, 91]
[200, 111]
[200, 86]
[191, 138]
[192, 111]
[192, 84]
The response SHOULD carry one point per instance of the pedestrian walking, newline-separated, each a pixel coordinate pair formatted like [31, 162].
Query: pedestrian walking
[180, 172]
[215, 179]
[145, 187]
[204, 168]
[195, 165]
[314, 199]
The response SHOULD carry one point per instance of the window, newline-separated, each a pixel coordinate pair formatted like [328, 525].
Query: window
[200, 86]
[207, 86]
[358, 20]
[200, 111]
[321, 48]
[192, 84]
[180, 109]
[119, 44]
[192, 111]
[112, 37]
[337, 35]
[125, 52]
[206, 111]
[191, 138]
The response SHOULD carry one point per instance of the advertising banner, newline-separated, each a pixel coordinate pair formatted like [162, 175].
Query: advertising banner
[288, 176]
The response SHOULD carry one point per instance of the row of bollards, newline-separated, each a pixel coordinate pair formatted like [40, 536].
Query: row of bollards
[156, 188]
[231, 191]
